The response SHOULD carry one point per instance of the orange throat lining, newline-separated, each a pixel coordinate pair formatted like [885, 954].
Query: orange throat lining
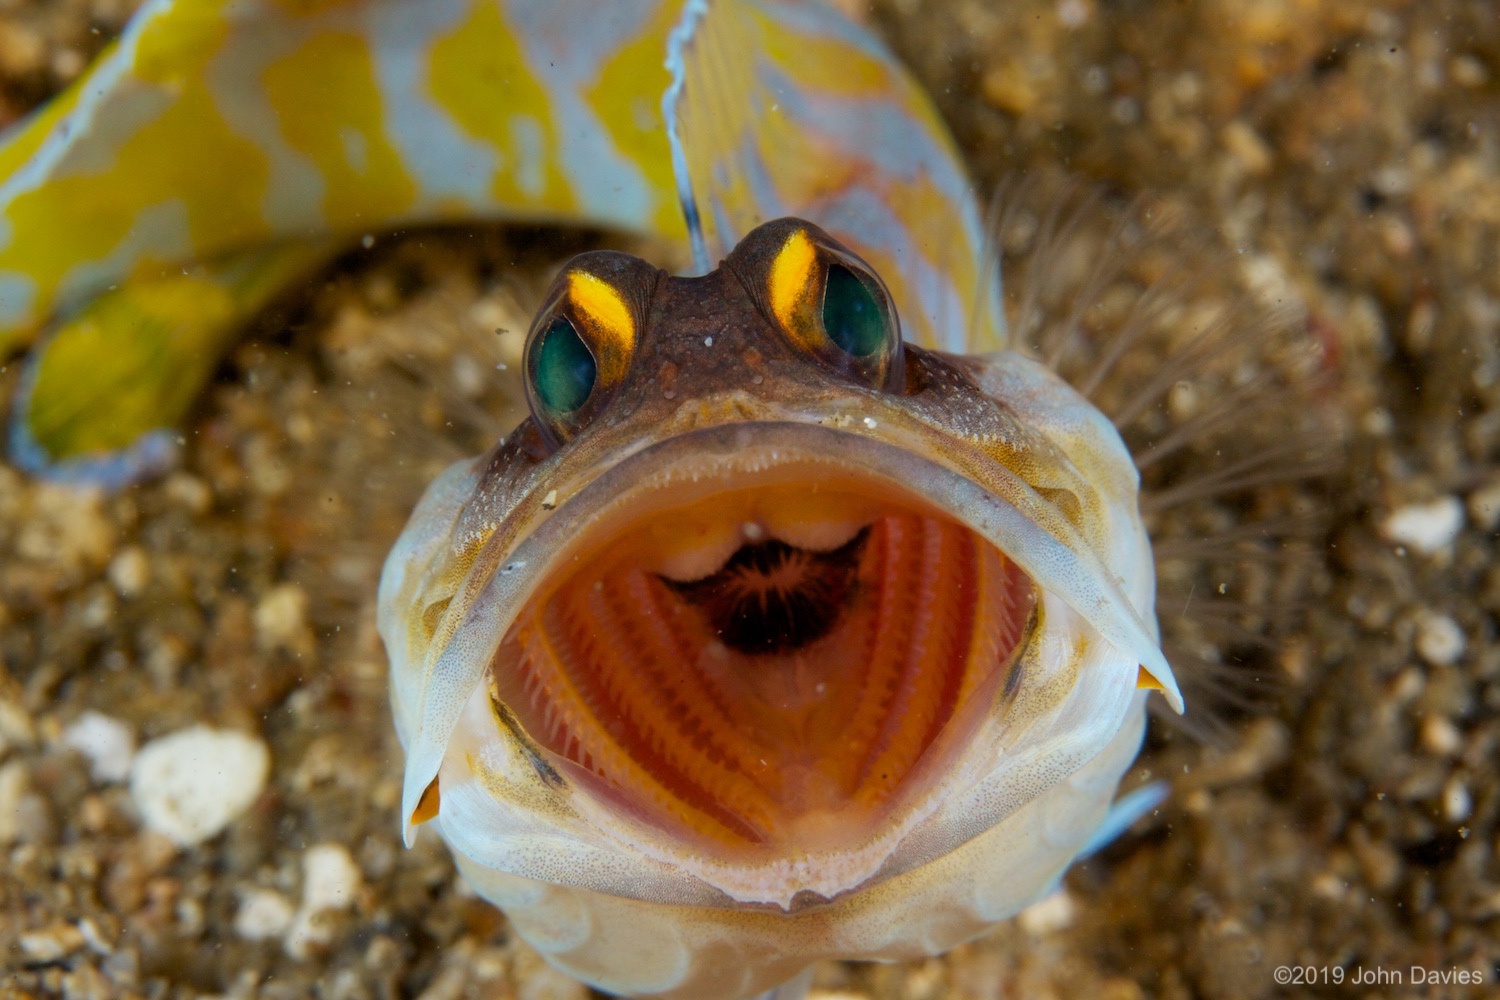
[767, 668]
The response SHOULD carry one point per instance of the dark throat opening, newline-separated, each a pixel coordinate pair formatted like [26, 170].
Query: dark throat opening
[772, 597]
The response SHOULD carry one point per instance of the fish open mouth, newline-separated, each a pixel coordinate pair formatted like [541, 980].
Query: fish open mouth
[764, 655]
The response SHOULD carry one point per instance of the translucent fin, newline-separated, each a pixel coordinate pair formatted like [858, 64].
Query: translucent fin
[793, 989]
[1123, 813]
[102, 393]
[790, 109]
[1222, 397]
[678, 43]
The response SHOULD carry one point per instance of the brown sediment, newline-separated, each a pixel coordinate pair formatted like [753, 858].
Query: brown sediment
[1339, 148]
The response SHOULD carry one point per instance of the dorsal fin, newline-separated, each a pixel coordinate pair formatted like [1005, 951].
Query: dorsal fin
[544, 110]
[791, 109]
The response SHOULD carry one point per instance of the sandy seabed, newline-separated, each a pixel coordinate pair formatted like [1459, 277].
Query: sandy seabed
[1344, 159]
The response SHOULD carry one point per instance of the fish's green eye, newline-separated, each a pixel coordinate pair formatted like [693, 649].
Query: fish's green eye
[581, 344]
[852, 316]
[830, 305]
[565, 370]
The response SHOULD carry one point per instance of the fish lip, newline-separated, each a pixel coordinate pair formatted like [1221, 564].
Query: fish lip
[459, 667]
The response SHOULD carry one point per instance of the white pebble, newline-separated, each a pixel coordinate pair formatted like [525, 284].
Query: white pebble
[330, 881]
[1072, 13]
[281, 617]
[1457, 802]
[1049, 914]
[94, 938]
[107, 742]
[51, 945]
[130, 571]
[192, 784]
[468, 377]
[263, 913]
[330, 878]
[1426, 527]
[1439, 639]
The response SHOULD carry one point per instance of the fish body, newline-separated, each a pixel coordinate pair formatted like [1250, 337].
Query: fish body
[187, 179]
[801, 619]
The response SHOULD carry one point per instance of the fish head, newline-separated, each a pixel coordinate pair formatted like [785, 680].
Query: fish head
[763, 607]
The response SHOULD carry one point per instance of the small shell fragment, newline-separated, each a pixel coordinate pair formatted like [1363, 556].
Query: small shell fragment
[330, 882]
[107, 742]
[1425, 527]
[263, 913]
[1440, 639]
[191, 784]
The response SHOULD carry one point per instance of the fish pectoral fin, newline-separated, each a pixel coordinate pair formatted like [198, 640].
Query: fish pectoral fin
[1123, 814]
[795, 988]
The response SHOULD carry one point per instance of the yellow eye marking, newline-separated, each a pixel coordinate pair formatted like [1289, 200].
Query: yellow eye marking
[791, 279]
[609, 319]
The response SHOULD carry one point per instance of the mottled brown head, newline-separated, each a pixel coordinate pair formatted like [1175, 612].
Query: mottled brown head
[790, 311]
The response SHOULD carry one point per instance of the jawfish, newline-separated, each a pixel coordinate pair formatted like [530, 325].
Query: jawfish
[768, 636]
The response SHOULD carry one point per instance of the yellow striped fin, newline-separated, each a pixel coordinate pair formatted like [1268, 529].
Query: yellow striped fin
[233, 132]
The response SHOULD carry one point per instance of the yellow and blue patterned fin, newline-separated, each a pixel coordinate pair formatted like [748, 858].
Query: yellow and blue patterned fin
[218, 125]
[216, 129]
[781, 108]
